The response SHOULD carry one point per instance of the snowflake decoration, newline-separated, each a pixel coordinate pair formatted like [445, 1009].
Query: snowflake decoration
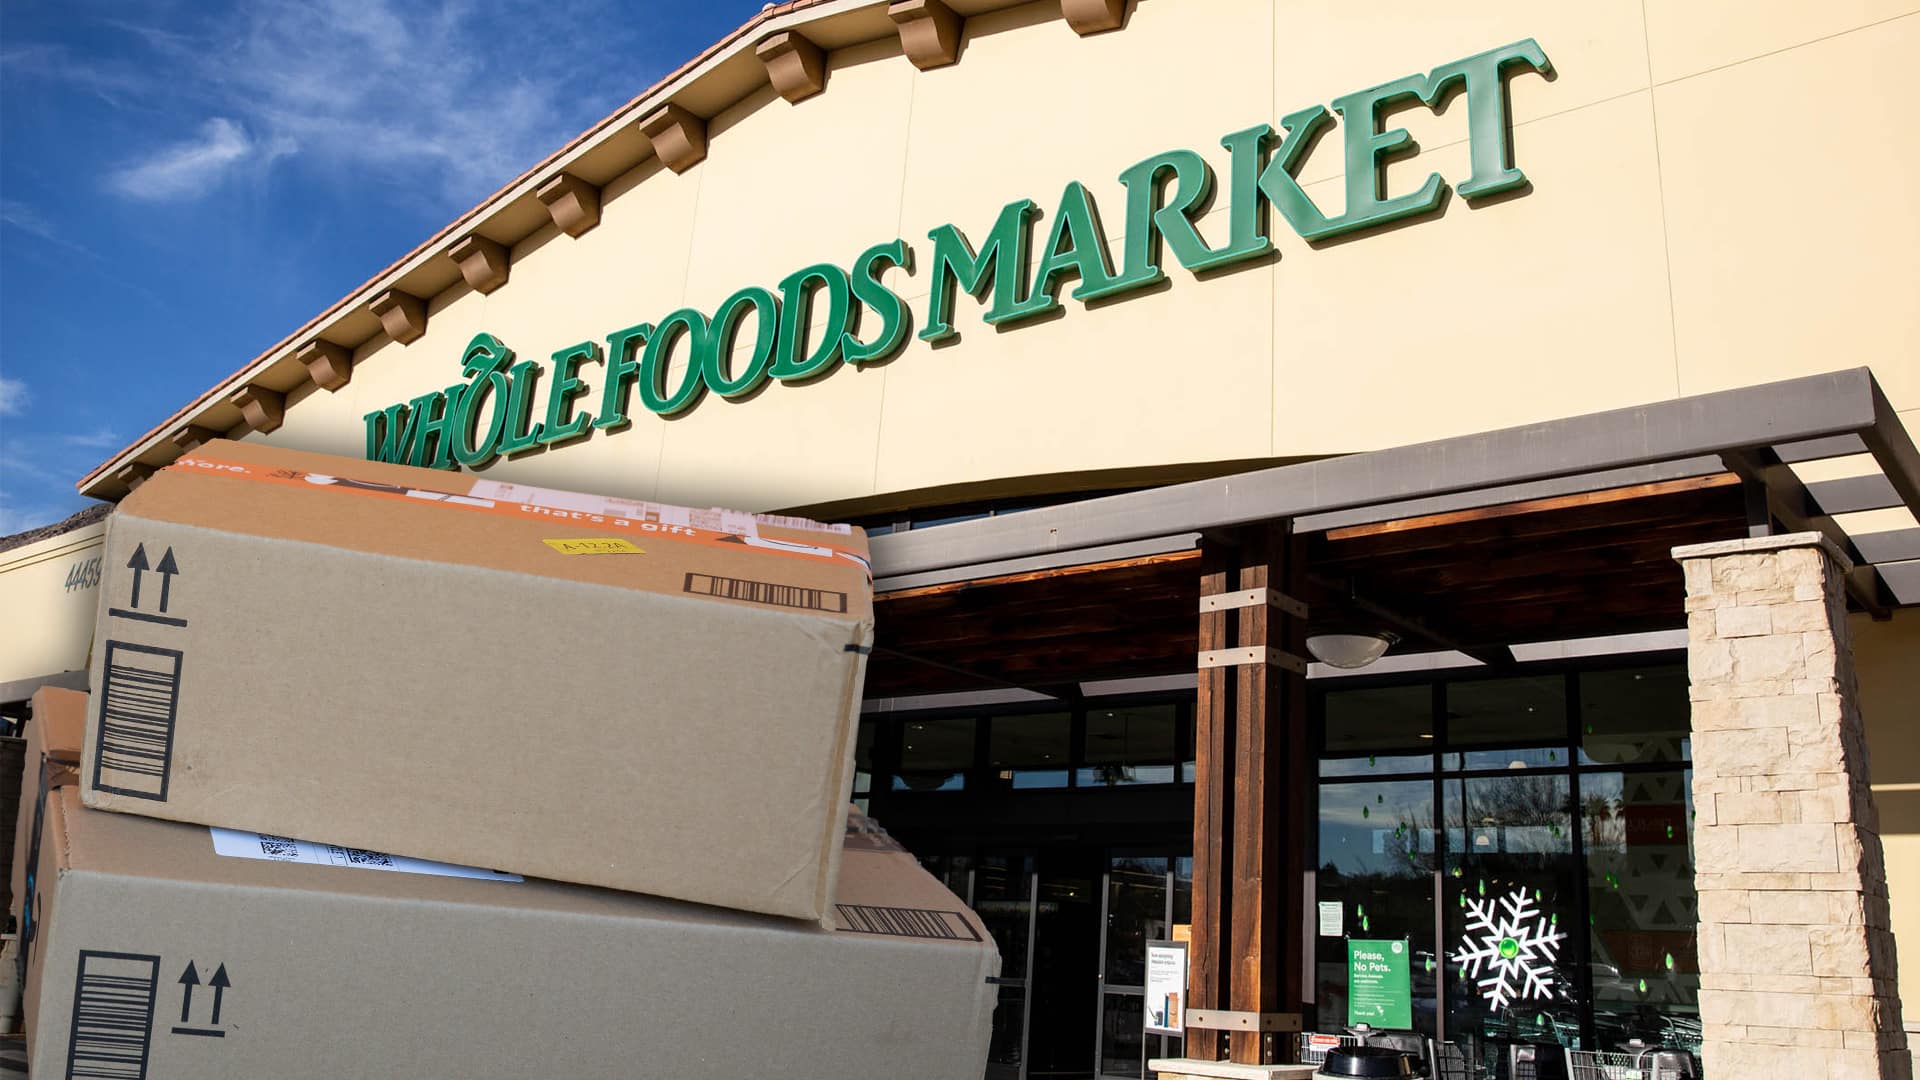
[1514, 944]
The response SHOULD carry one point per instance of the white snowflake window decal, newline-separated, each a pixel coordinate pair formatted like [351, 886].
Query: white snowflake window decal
[1510, 949]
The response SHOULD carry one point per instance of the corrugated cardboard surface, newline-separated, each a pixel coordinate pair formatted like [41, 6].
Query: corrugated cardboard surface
[54, 734]
[336, 972]
[433, 679]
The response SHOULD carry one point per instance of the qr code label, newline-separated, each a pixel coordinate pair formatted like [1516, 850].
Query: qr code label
[353, 856]
[284, 848]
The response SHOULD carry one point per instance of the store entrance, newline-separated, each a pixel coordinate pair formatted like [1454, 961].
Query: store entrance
[1072, 924]
[1066, 964]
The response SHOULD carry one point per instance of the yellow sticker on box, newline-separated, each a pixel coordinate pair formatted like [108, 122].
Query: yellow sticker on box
[595, 545]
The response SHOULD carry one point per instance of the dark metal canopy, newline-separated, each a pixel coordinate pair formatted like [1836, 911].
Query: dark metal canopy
[1754, 431]
[1541, 533]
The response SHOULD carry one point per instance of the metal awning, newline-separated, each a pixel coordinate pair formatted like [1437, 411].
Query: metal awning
[1760, 432]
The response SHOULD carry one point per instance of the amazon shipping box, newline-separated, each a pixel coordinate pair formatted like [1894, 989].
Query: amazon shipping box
[572, 687]
[162, 959]
[55, 729]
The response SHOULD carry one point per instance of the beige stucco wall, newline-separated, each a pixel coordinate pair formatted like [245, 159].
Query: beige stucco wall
[1884, 654]
[47, 625]
[1718, 199]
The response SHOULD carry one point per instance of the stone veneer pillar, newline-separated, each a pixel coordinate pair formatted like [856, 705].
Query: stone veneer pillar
[1797, 965]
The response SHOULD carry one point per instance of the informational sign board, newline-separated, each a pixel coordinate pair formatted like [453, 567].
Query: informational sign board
[1166, 988]
[1379, 984]
[1333, 918]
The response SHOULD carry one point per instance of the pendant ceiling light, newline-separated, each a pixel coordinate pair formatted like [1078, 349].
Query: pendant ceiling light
[1349, 650]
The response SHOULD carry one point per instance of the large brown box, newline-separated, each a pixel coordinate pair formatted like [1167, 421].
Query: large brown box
[54, 733]
[161, 960]
[565, 686]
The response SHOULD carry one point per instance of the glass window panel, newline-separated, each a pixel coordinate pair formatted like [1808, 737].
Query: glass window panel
[1377, 858]
[1129, 745]
[1379, 719]
[1122, 1042]
[1509, 893]
[1526, 757]
[1193, 734]
[863, 758]
[1031, 751]
[1003, 898]
[1136, 914]
[1645, 971]
[1639, 714]
[1531, 709]
[1183, 891]
[1376, 765]
[935, 755]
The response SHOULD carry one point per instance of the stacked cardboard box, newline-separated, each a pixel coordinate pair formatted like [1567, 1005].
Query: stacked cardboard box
[413, 665]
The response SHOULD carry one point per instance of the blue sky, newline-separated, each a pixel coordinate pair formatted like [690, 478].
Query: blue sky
[182, 184]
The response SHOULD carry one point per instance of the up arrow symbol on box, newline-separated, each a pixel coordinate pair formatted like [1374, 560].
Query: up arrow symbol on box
[167, 569]
[138, 564]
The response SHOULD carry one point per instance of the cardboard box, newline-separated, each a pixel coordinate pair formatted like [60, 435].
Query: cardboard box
[54, 734]
[566, 686]
[166, 961]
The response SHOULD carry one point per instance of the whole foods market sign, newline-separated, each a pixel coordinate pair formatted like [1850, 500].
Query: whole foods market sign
[824, 315]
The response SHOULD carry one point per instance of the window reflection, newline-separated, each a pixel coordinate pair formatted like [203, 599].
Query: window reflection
[1645, 971]
[1129, 745]
[1639, 714]
[1379, 719]
[1031, 751]
[1520, 711]
[935, 755]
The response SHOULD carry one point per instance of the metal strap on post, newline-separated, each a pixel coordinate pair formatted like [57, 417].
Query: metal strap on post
[1252, 654]
[1228, 601]
[1236, 1020]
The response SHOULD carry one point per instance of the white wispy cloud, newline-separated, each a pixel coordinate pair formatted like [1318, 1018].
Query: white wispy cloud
[13, 396]
[28, 220]
[97, 439]
[186, 169]
[379, 90]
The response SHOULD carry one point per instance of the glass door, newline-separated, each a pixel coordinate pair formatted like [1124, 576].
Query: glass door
[1003, 888]
[1144, 895]
[1066, 964]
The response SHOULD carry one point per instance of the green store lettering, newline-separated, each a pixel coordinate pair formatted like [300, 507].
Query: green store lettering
[824, 315]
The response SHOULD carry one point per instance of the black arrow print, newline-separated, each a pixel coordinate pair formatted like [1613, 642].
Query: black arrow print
[189, 979]
[166, 569]
[137, 564]
[219, 983]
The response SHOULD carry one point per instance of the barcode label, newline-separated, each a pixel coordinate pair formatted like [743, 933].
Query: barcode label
[138, 704]
[762, 592]
[113, 998]
[782, 521]
[236, 844]
[905, 922]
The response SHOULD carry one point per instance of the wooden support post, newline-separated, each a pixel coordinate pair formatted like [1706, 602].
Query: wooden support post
[1207, 972]
[1251, 814]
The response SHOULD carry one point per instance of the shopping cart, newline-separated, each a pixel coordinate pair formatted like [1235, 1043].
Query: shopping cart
[1613, 1065]
[1450, 1063]
[1314, 1046]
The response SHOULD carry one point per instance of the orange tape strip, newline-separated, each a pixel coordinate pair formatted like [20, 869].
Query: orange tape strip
[612, 524]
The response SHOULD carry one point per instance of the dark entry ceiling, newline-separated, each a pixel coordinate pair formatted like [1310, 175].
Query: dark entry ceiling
[1575, 566]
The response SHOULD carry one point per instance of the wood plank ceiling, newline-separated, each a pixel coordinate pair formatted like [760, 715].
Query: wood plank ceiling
[1551, 569]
